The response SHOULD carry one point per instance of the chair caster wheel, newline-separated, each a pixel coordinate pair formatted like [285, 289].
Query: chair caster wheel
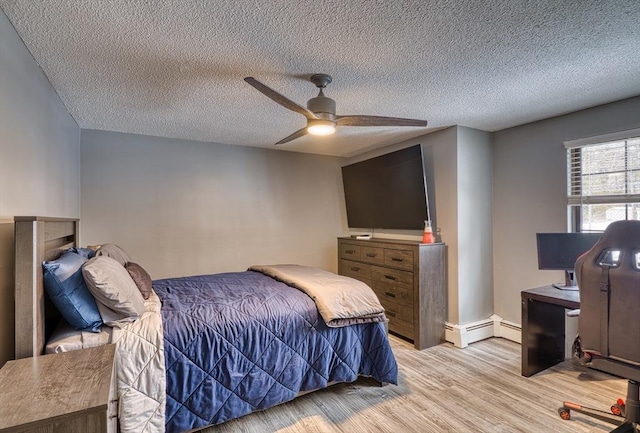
[564, 413]
[618, 408]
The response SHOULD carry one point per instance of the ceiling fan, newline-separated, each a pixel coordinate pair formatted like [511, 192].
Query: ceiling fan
[321, 111]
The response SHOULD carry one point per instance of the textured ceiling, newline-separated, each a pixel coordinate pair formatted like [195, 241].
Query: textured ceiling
[175, 68]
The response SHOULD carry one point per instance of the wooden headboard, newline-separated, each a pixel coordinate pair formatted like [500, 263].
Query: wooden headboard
[37, 239]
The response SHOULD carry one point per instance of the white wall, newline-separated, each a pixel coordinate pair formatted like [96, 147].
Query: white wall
[184, 207]
[39, 159]
[530, 196]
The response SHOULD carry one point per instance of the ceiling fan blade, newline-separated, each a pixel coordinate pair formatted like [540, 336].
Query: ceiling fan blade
[299, 133]
[285, 102]
[378, 121]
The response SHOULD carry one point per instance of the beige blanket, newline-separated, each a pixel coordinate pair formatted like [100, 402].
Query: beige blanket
[140, 368]
[341, 301]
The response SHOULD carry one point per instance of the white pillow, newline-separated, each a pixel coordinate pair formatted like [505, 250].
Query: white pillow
[116, 294]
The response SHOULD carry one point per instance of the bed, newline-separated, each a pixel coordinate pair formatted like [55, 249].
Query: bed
[208, 348]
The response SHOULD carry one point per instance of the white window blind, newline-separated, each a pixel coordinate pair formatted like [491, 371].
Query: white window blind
[604, 178]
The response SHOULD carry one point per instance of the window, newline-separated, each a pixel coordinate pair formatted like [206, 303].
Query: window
[603, 180]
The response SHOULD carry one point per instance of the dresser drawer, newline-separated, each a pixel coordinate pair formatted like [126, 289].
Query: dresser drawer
[356, 269]
[400, 278]
[394, 292]
[373, 255]
[400, 259]
[399, 316]
[365, 280]
[400, 329]
[350, 251]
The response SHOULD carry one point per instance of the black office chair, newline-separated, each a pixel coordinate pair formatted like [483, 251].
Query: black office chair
[609, 321]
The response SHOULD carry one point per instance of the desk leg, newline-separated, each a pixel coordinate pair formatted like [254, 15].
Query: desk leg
[543, 336]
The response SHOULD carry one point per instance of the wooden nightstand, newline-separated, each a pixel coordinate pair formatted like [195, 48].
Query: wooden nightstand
[69, 392]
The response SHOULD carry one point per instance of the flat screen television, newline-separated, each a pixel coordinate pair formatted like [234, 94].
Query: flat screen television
[559, 251]
[387, 192]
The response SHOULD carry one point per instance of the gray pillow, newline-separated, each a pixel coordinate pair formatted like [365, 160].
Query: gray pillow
[116, 294]
[115, 252]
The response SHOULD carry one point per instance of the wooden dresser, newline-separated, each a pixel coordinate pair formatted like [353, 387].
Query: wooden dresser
[70, 392]
[410, 280]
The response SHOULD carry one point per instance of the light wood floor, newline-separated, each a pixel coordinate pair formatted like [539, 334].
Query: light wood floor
[445, 389]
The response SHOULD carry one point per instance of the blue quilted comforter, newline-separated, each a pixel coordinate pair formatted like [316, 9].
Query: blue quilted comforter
[240, 342]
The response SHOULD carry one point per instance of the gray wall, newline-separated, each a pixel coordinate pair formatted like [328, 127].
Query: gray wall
[39, 159]
[458, 163]
[474, 225]
[185, 207]
[441, 151]
[529, 193]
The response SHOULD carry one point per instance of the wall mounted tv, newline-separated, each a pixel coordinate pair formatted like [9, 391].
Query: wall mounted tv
[387, 192]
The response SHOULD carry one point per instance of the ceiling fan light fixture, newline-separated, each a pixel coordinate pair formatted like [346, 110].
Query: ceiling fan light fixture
[321, 111]
[321, 127]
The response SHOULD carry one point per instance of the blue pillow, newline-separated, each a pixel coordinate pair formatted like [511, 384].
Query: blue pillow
[65, 285]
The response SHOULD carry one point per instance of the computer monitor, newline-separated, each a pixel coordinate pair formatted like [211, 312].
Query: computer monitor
[559, 251]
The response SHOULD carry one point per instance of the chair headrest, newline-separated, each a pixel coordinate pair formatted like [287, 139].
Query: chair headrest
[624, 235]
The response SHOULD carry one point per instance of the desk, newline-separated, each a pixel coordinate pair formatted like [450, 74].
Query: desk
[543, 326]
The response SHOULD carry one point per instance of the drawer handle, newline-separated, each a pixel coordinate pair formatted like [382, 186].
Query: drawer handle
[389, 294]
[355, 269]
[397, 259]
[391, 313]
[390, 277]
[350, 251]
[114, 403]
[371, 254]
